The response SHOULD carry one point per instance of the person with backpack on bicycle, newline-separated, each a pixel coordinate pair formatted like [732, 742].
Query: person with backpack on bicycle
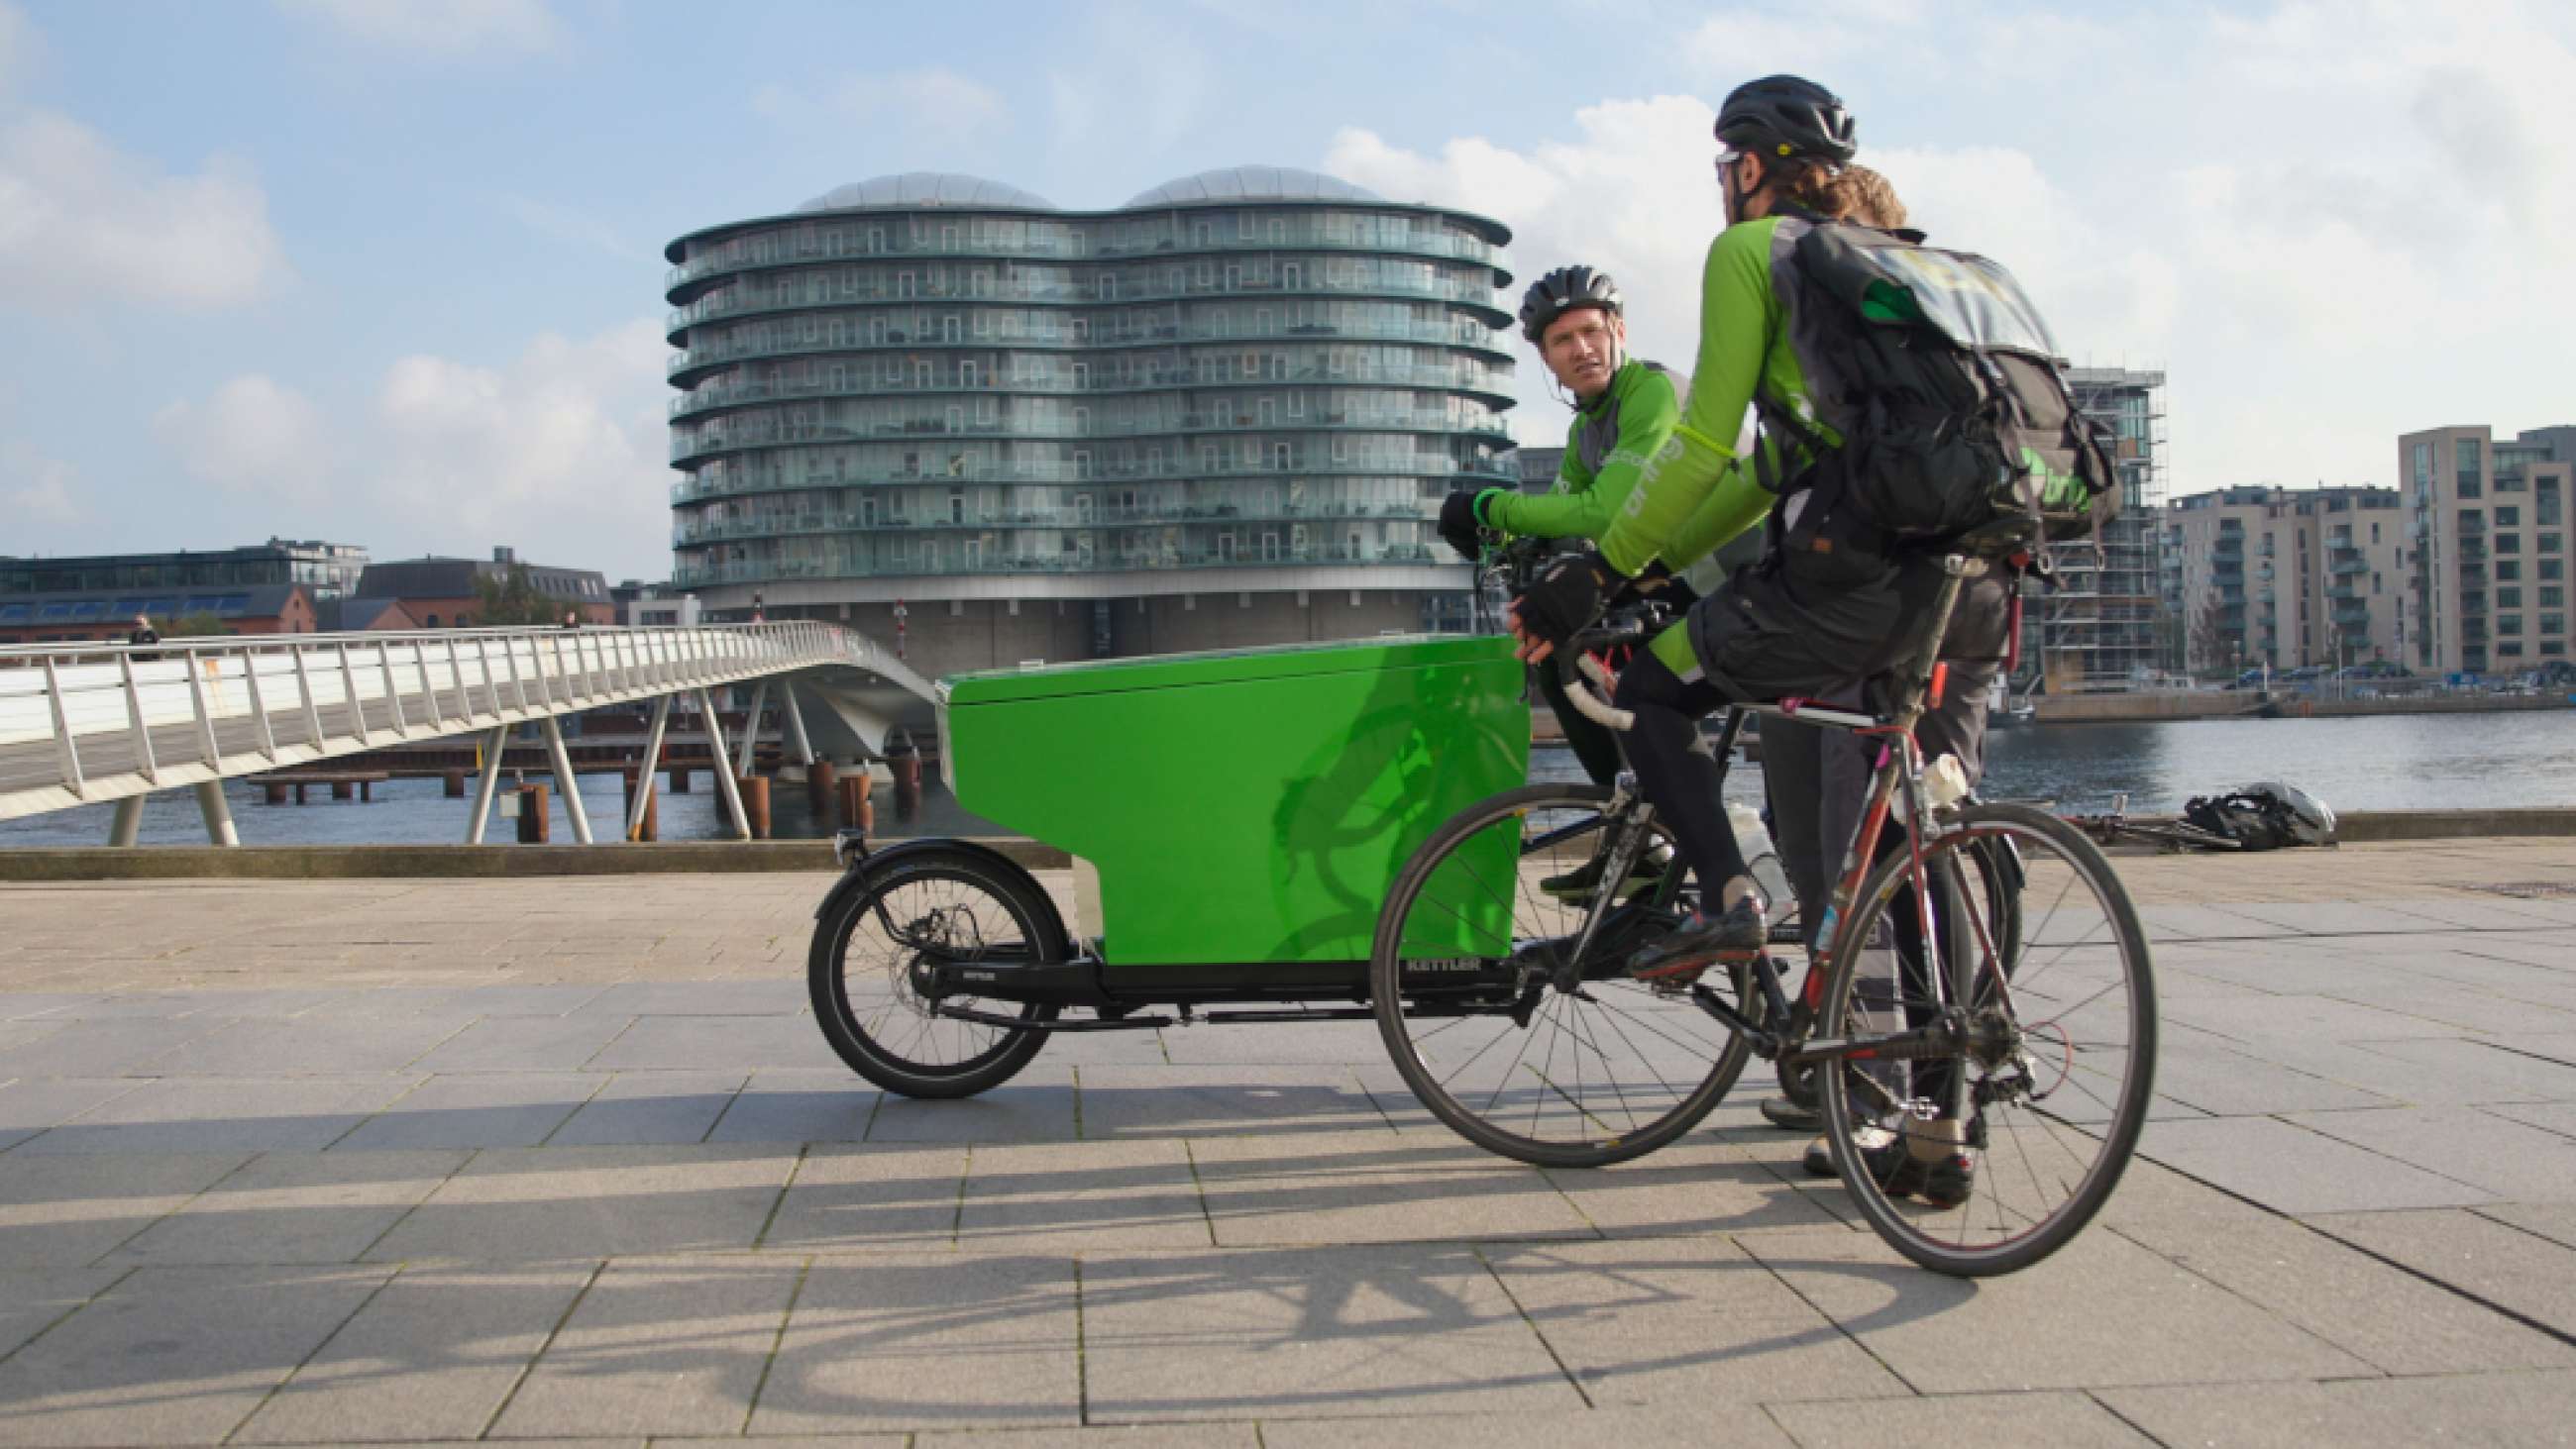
[1875, 481]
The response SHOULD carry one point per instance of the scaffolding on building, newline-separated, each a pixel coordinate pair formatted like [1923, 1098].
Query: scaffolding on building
[2099, 627]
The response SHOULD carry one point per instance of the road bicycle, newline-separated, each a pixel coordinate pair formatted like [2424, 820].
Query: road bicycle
[1980, 988]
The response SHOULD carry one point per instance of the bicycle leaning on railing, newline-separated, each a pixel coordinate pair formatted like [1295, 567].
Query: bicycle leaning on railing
[2019, 1028]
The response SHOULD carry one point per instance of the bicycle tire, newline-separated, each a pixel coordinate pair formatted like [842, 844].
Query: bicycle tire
[2113, 941]
[1592, 1125]
[860, 1037]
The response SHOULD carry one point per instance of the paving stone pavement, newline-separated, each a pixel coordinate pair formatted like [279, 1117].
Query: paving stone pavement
[566, 1161]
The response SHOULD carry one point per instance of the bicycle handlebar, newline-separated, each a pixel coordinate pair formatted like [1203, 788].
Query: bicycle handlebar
[1588, 704]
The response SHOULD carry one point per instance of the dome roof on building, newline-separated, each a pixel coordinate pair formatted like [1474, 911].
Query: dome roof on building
[1253, 183]
[927, 188]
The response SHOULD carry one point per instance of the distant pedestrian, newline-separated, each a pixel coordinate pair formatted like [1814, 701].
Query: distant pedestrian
[143, 633]
[572, 619]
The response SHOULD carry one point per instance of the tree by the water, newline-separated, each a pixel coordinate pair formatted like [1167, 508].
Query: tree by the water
[511, 597]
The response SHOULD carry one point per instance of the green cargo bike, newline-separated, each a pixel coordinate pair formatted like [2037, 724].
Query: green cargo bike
[1345, 831]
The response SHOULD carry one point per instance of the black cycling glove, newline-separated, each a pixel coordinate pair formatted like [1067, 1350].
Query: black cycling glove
[1563, 598]
[1458, 524]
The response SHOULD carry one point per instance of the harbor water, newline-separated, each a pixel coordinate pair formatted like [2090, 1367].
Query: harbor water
[2375, 762]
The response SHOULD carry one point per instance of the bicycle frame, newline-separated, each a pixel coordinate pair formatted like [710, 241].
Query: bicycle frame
[1898, 768]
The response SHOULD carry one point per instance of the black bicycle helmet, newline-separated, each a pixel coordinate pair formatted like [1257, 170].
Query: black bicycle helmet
[1563, 290]
[1784, 115]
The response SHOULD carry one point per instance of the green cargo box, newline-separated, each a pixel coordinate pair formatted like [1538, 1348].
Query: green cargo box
[1241, 806]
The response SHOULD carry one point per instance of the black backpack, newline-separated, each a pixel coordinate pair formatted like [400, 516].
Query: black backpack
[1944, 385]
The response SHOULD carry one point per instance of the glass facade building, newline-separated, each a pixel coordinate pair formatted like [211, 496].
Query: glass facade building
[326, 570]
[1223, 413]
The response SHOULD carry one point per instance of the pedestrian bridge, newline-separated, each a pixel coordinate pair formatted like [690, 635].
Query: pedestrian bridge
[82, 724]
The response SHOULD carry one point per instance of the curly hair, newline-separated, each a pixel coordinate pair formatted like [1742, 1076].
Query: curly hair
[1851, 193]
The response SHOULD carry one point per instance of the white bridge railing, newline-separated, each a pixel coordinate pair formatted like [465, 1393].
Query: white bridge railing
[85, 723]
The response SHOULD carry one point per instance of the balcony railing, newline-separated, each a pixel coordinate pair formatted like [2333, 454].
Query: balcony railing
[734, 302]
[686, 444]
[742, 394]
[900, 249]
[1004, 520]
[846, 567]
[706, 353]
[1068, 475]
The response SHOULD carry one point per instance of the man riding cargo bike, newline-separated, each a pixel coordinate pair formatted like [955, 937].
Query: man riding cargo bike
[1624, 410]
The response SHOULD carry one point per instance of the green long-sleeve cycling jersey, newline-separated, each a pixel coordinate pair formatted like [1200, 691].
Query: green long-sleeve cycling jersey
[1606, 447]
[1694, 494]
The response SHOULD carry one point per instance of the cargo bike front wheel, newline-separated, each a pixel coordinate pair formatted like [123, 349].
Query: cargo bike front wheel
[1507, 1008]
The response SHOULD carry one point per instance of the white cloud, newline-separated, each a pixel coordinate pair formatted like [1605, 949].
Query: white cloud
[253, 435]
[36, 490]
[561, 450]
[17, 43]
[933, 97]
[443, 29]
[81, 223]
[2329, 223]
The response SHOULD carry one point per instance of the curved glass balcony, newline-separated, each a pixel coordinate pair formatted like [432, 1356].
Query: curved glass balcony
[849, 566]
[702, 489]
[705, 356]
[1052, 520]
[687, 445]
[891, 246]
[719, 306]
[727, 397]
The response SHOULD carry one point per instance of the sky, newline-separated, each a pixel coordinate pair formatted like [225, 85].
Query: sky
[389, 272]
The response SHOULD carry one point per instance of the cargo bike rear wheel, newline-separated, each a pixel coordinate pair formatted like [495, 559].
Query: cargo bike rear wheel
[914, 905]
[1508, 1011]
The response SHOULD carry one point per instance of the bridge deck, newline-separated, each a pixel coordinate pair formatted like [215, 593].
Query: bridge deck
[80, 724]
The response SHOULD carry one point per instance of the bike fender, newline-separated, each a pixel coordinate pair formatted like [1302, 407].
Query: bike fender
[856, 878]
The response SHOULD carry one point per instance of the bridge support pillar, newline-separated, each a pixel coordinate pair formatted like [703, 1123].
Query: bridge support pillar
[219, 816]
[129, 821]
[724, 777]
[795, 724]
[565, 782]
[755, 803]
[641, 821]
[643, 812]
[750, 729]
[818, 785]
[490, 785]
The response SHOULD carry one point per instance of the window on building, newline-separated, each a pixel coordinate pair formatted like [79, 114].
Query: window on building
[2508, 570]
[2508, 543]
[2509, 650]
[2466, 458]
[2551, 543]
[2508, 598]
[2508, 624]
[2553, 568]
[2553, 623]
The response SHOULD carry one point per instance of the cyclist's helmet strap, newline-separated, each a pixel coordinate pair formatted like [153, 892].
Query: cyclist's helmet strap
[1784, 116]
[1563, 290]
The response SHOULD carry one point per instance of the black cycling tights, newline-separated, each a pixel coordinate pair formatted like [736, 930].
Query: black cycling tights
[1677, 774]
